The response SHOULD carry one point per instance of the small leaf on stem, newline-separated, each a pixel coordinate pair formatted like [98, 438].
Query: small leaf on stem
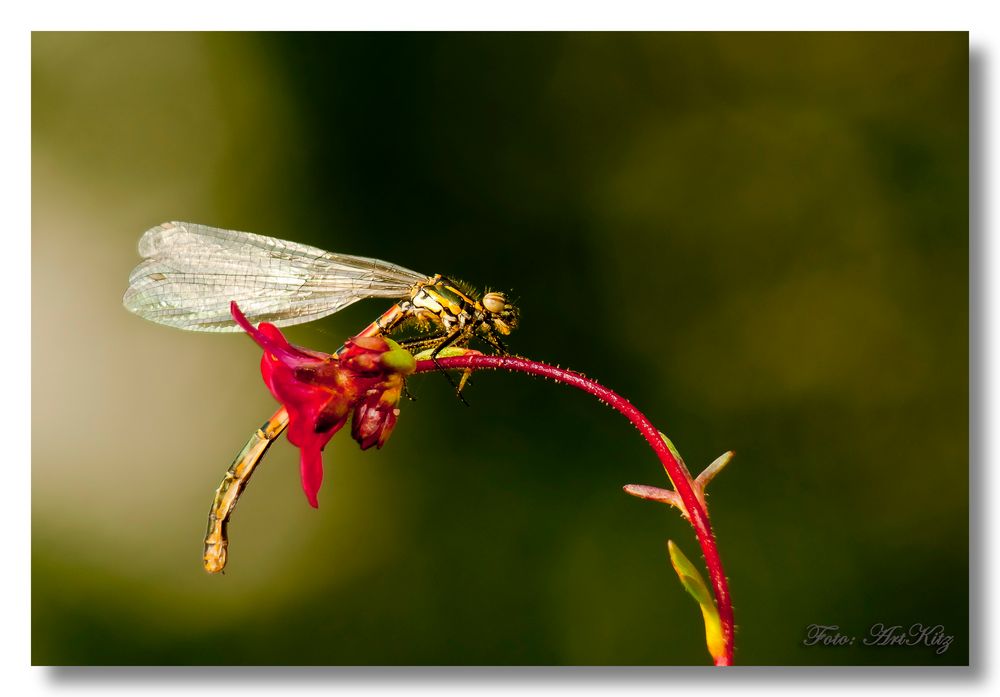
[673, 451]
[652, 493]
[694, 584]
[708, 474]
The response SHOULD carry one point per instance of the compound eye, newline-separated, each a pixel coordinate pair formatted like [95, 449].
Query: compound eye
[494, 302]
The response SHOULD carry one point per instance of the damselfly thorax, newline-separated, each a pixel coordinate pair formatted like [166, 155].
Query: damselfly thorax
[453, 314]
[191, 273]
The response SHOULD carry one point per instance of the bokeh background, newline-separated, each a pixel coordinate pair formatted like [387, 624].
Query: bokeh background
[760, 239]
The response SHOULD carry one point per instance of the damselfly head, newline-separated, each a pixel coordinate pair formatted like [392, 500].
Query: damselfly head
[504, 315]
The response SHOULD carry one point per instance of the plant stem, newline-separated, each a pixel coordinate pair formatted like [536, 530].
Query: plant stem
[677, 473]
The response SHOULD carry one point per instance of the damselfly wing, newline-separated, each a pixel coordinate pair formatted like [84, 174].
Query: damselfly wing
[191, 273]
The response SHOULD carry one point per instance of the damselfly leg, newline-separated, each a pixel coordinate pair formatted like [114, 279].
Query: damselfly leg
[431, 347]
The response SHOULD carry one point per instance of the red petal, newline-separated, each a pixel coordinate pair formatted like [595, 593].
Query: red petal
[270, 338]
[274, 336]
[311, 469]
[302, 421]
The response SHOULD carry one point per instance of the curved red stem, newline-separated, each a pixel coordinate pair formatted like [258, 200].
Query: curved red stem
[677, 473]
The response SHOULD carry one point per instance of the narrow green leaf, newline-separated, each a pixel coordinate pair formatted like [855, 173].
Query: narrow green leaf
[694, 584]
[670, 446]
[677, 455]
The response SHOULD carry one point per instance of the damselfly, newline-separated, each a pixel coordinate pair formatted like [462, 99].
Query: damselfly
[191, 273]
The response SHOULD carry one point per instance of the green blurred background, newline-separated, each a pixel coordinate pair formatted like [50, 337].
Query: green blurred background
[760, 239]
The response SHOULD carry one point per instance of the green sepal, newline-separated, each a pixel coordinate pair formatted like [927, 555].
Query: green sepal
[397, 359]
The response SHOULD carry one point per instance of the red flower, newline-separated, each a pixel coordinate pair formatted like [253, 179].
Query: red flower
[320, 390]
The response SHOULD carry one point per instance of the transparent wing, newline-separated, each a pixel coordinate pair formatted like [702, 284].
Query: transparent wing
[191, 273]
